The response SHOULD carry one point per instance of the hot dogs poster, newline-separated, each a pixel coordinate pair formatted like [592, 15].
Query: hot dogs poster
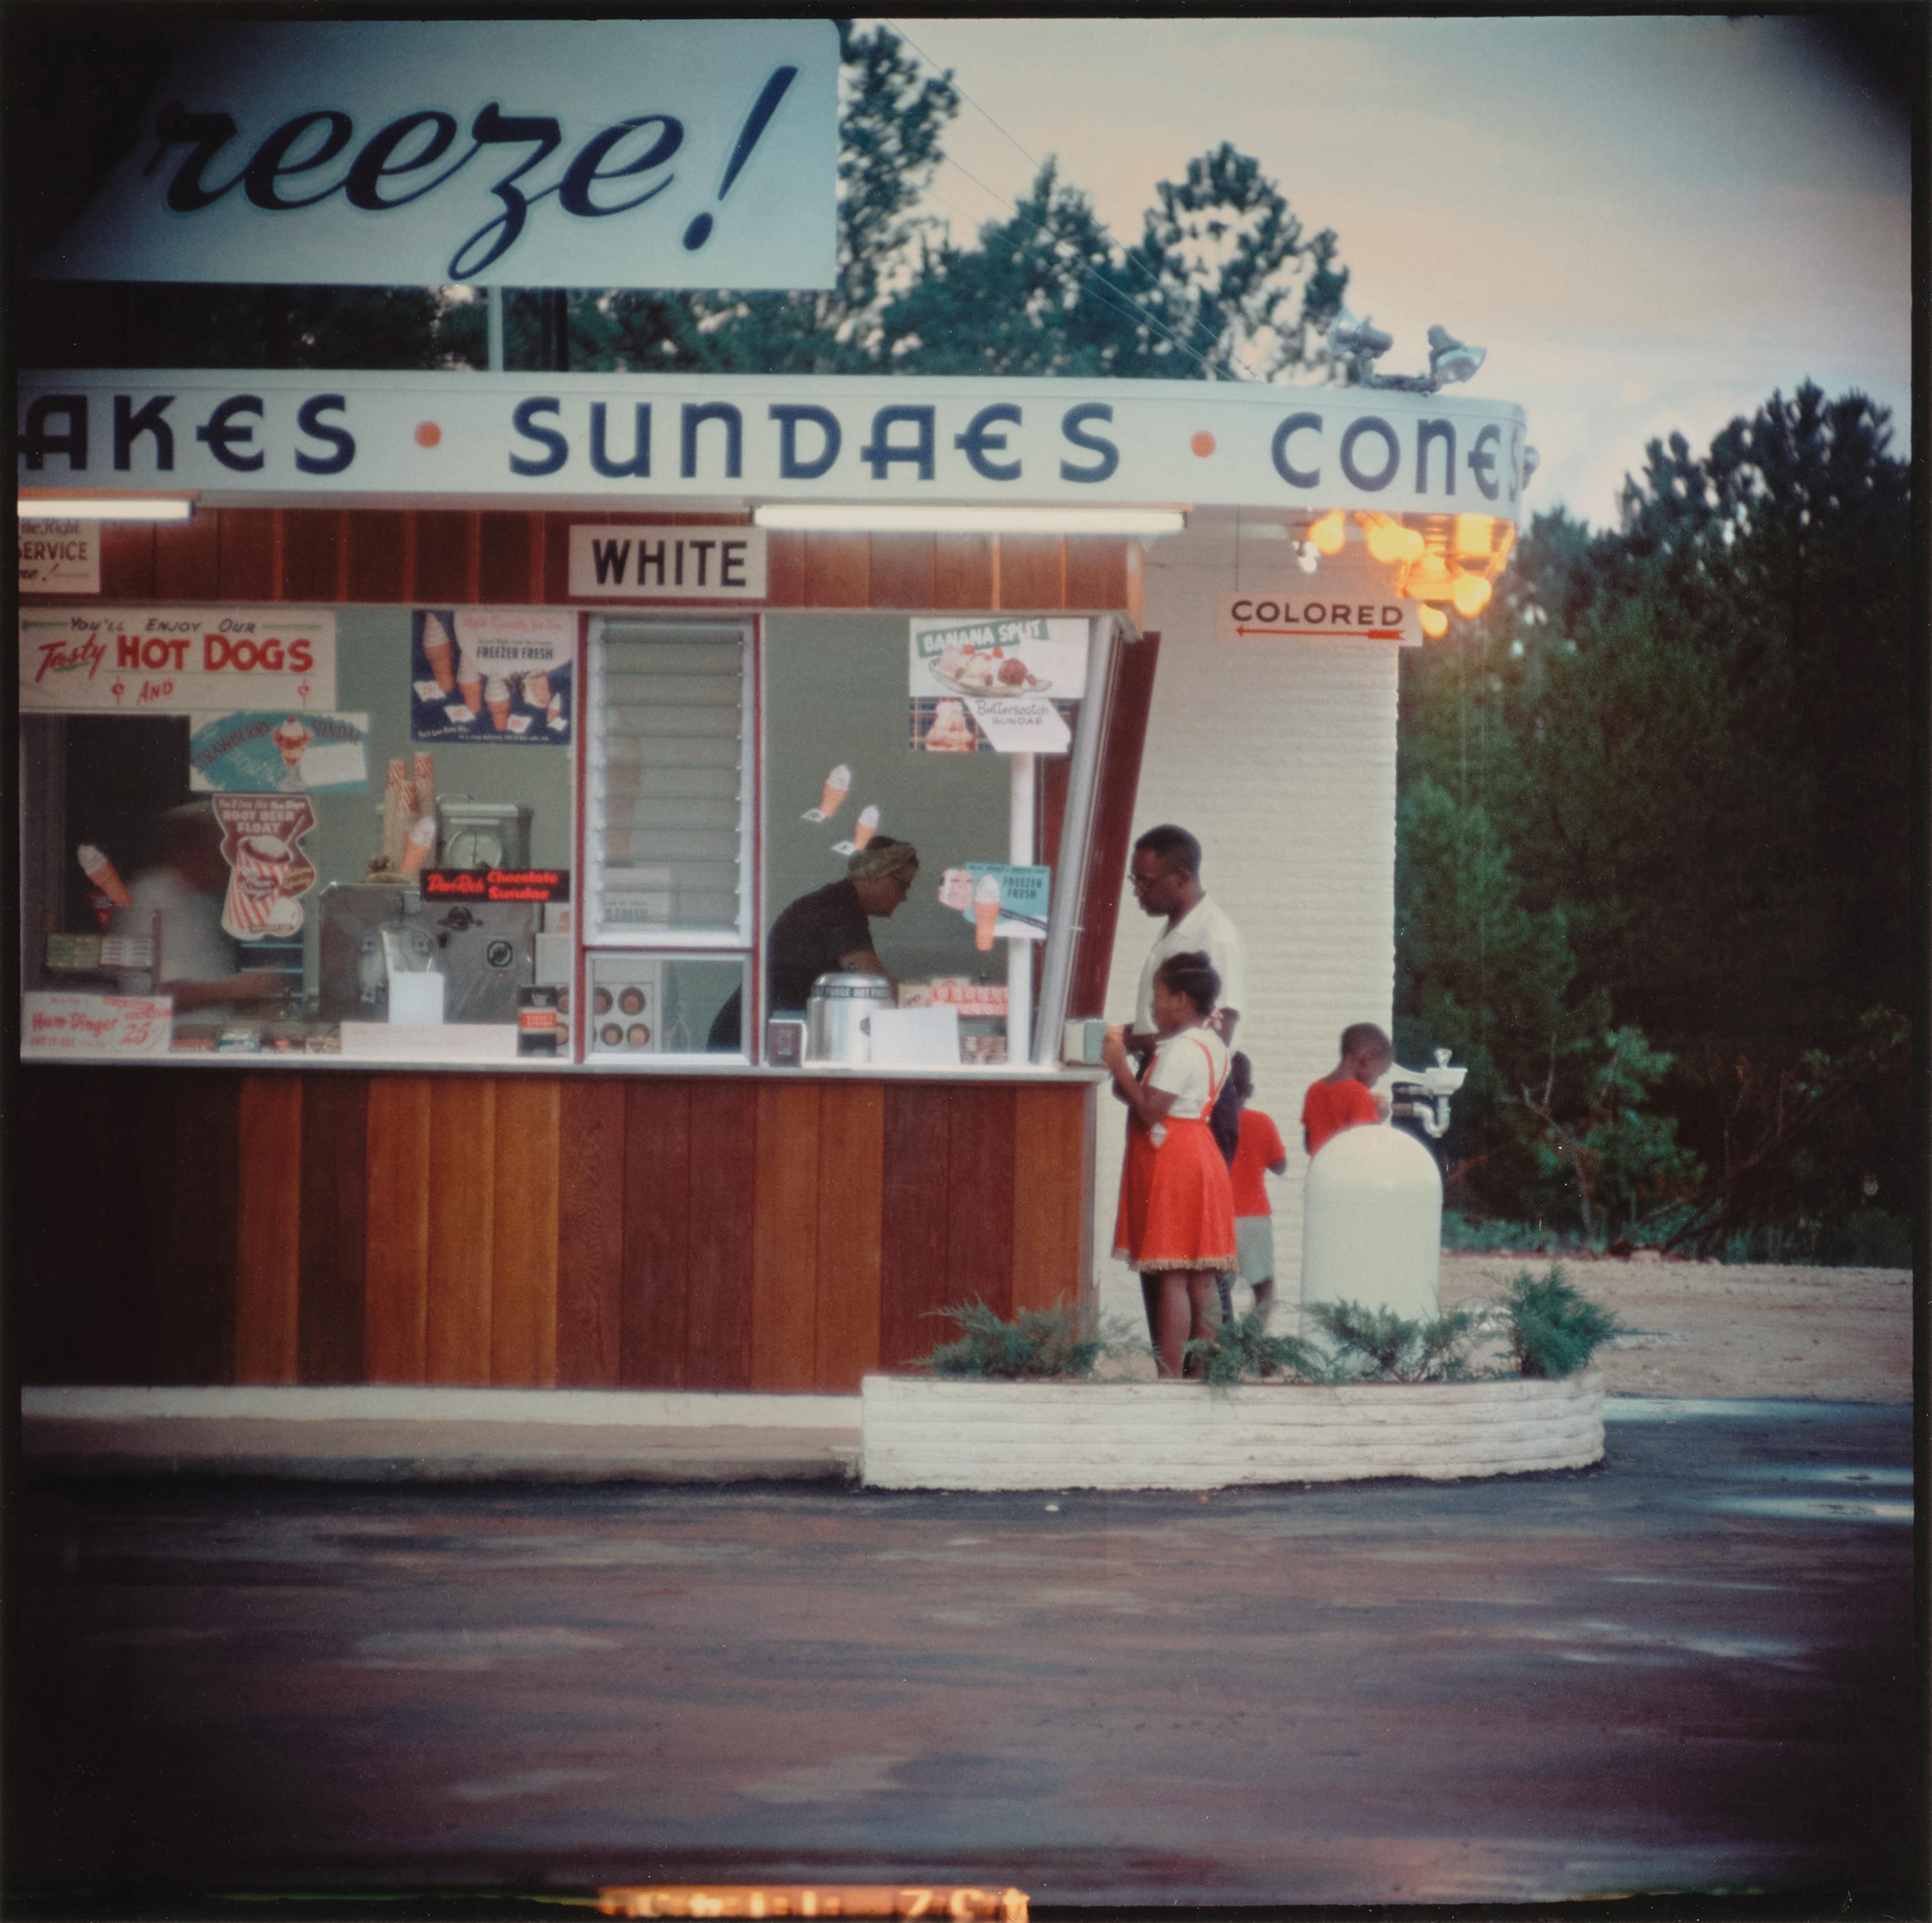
[499, 675]
[996, 684]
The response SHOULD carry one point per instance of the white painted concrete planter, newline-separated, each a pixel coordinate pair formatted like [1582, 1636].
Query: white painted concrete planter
[920, 1433]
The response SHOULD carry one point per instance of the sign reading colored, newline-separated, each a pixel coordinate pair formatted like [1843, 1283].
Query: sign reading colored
[314, 753]
[1349, 611]
[176, 660]
[722, 563]
[495, 674]
[536, 153]
[60, 557]
[58, 1024]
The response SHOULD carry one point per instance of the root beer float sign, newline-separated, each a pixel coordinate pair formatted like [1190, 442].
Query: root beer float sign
[803, 438]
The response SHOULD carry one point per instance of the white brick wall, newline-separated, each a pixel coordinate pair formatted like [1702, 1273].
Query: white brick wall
[924, 1434]
[1280, 757]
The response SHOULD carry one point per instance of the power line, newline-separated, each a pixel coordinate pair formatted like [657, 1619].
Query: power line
[1092, 273]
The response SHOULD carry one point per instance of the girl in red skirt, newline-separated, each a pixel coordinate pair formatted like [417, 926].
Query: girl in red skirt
[1177, 1219]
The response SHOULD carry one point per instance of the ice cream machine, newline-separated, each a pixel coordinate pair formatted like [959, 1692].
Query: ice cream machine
[380, 944]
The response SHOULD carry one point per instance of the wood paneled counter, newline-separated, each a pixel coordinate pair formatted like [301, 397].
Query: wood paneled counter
[764, 1230]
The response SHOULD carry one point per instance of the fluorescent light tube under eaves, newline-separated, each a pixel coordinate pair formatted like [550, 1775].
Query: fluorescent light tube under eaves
[855, 517]
[102, 507]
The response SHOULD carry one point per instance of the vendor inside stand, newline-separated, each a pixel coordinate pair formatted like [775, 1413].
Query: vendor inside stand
[177, 896]
[830, 931]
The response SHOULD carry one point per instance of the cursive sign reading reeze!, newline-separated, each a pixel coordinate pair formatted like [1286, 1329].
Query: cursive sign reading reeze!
[368, 142]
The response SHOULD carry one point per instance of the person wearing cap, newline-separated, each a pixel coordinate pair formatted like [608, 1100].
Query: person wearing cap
[828, 931]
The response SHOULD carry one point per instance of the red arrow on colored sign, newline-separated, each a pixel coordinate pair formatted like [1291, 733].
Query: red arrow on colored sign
[1307, 633]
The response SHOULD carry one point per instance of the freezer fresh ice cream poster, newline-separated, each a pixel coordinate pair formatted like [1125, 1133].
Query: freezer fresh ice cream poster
[502, 675]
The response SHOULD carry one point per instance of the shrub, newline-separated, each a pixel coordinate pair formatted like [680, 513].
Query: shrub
[1037, 1343]
[1243, 1348]
[1553, 1331]
[1377, 1344]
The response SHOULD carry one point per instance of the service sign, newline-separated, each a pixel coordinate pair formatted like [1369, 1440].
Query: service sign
[1313, 611]
[176, 660]
[60, 557]
[660, 439]
[537, 153]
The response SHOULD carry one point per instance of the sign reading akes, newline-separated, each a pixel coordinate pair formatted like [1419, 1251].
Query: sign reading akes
[528, 153]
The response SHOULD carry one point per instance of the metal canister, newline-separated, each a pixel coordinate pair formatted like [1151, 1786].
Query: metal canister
[837, 1016]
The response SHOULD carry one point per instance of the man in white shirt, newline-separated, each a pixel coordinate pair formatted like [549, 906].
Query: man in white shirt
[1165, 876]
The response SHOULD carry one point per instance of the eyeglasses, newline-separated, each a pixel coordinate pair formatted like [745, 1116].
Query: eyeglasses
[1140, 882]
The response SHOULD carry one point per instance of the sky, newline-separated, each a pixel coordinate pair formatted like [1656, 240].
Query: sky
[1650, 223]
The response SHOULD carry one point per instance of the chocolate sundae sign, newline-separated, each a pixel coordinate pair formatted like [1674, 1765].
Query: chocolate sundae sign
[1008, 685]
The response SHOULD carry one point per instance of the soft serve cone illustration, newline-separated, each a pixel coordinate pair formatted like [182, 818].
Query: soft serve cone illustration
[838, 785]
[863, 830]
[986, 910]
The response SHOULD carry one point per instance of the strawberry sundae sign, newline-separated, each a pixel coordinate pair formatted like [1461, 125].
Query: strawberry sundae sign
[176, 660]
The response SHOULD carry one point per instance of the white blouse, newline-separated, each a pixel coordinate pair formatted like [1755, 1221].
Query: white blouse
[1191, 1067]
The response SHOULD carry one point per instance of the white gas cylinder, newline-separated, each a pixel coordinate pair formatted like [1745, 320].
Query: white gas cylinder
[1371, 1222]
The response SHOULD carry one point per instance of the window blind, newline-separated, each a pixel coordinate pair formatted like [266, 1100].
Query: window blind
[669, 826]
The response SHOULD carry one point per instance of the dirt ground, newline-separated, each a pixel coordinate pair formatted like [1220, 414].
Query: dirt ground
[1708, 1329]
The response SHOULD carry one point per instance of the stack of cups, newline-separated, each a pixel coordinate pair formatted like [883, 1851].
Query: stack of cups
[398, 813]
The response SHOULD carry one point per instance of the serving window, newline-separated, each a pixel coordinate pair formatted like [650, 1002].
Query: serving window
[391, 845]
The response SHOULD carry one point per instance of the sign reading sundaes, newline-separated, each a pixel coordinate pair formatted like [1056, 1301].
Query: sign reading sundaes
[176, 660]
[556, 153]
[774, 438]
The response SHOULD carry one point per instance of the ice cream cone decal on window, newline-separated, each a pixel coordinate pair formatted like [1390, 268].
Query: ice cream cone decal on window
[838, 785]
[866, 828]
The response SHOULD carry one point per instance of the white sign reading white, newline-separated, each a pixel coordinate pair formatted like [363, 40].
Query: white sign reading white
[60, 557]
[726, 563]
[1353, 611]
[536, 153]
[57, 1024]
[661, 437]
[176, 660]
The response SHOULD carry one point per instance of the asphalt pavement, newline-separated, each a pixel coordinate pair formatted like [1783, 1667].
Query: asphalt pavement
[1690, 1671]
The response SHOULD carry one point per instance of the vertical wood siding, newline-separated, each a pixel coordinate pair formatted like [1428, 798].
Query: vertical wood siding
[451, 557]
[707, 1233]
